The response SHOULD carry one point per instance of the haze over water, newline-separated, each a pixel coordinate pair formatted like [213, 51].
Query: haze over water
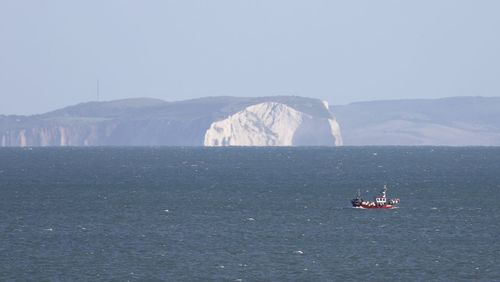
[273, 214]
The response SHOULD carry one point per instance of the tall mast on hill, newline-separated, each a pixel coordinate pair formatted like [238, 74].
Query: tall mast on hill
[97, 90]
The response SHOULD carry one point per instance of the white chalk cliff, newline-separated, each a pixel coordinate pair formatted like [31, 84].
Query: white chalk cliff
[273, 124]
[259, 121]
[210, 121]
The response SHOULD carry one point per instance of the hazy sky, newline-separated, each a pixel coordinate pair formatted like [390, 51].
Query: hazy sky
[52, 52]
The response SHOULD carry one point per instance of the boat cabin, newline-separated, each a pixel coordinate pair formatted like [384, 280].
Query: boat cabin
[380, 200]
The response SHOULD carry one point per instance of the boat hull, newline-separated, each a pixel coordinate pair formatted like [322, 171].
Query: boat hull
[380, 202]
[376, 207]
[372, 206]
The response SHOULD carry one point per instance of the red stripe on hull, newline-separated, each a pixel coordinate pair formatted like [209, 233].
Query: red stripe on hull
[378, 207]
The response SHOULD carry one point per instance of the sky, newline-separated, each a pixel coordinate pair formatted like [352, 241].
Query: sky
[53, 52]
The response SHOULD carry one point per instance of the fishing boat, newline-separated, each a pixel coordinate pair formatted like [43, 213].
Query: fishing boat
[380, 202]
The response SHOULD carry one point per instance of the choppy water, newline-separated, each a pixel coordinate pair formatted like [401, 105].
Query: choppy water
[249, 214]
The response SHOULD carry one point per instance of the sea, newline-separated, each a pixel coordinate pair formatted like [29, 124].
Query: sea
[248, 214]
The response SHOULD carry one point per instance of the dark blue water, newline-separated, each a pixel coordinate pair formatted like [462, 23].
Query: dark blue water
[249, 214]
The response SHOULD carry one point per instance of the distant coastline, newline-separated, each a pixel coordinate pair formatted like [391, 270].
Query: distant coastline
[261, 121]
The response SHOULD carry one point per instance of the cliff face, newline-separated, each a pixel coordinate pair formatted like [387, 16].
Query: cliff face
[214, 121]
[261, 121]
[272, 124]
[50, 136]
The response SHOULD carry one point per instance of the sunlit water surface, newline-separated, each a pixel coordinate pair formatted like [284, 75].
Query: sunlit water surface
[248, 214]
